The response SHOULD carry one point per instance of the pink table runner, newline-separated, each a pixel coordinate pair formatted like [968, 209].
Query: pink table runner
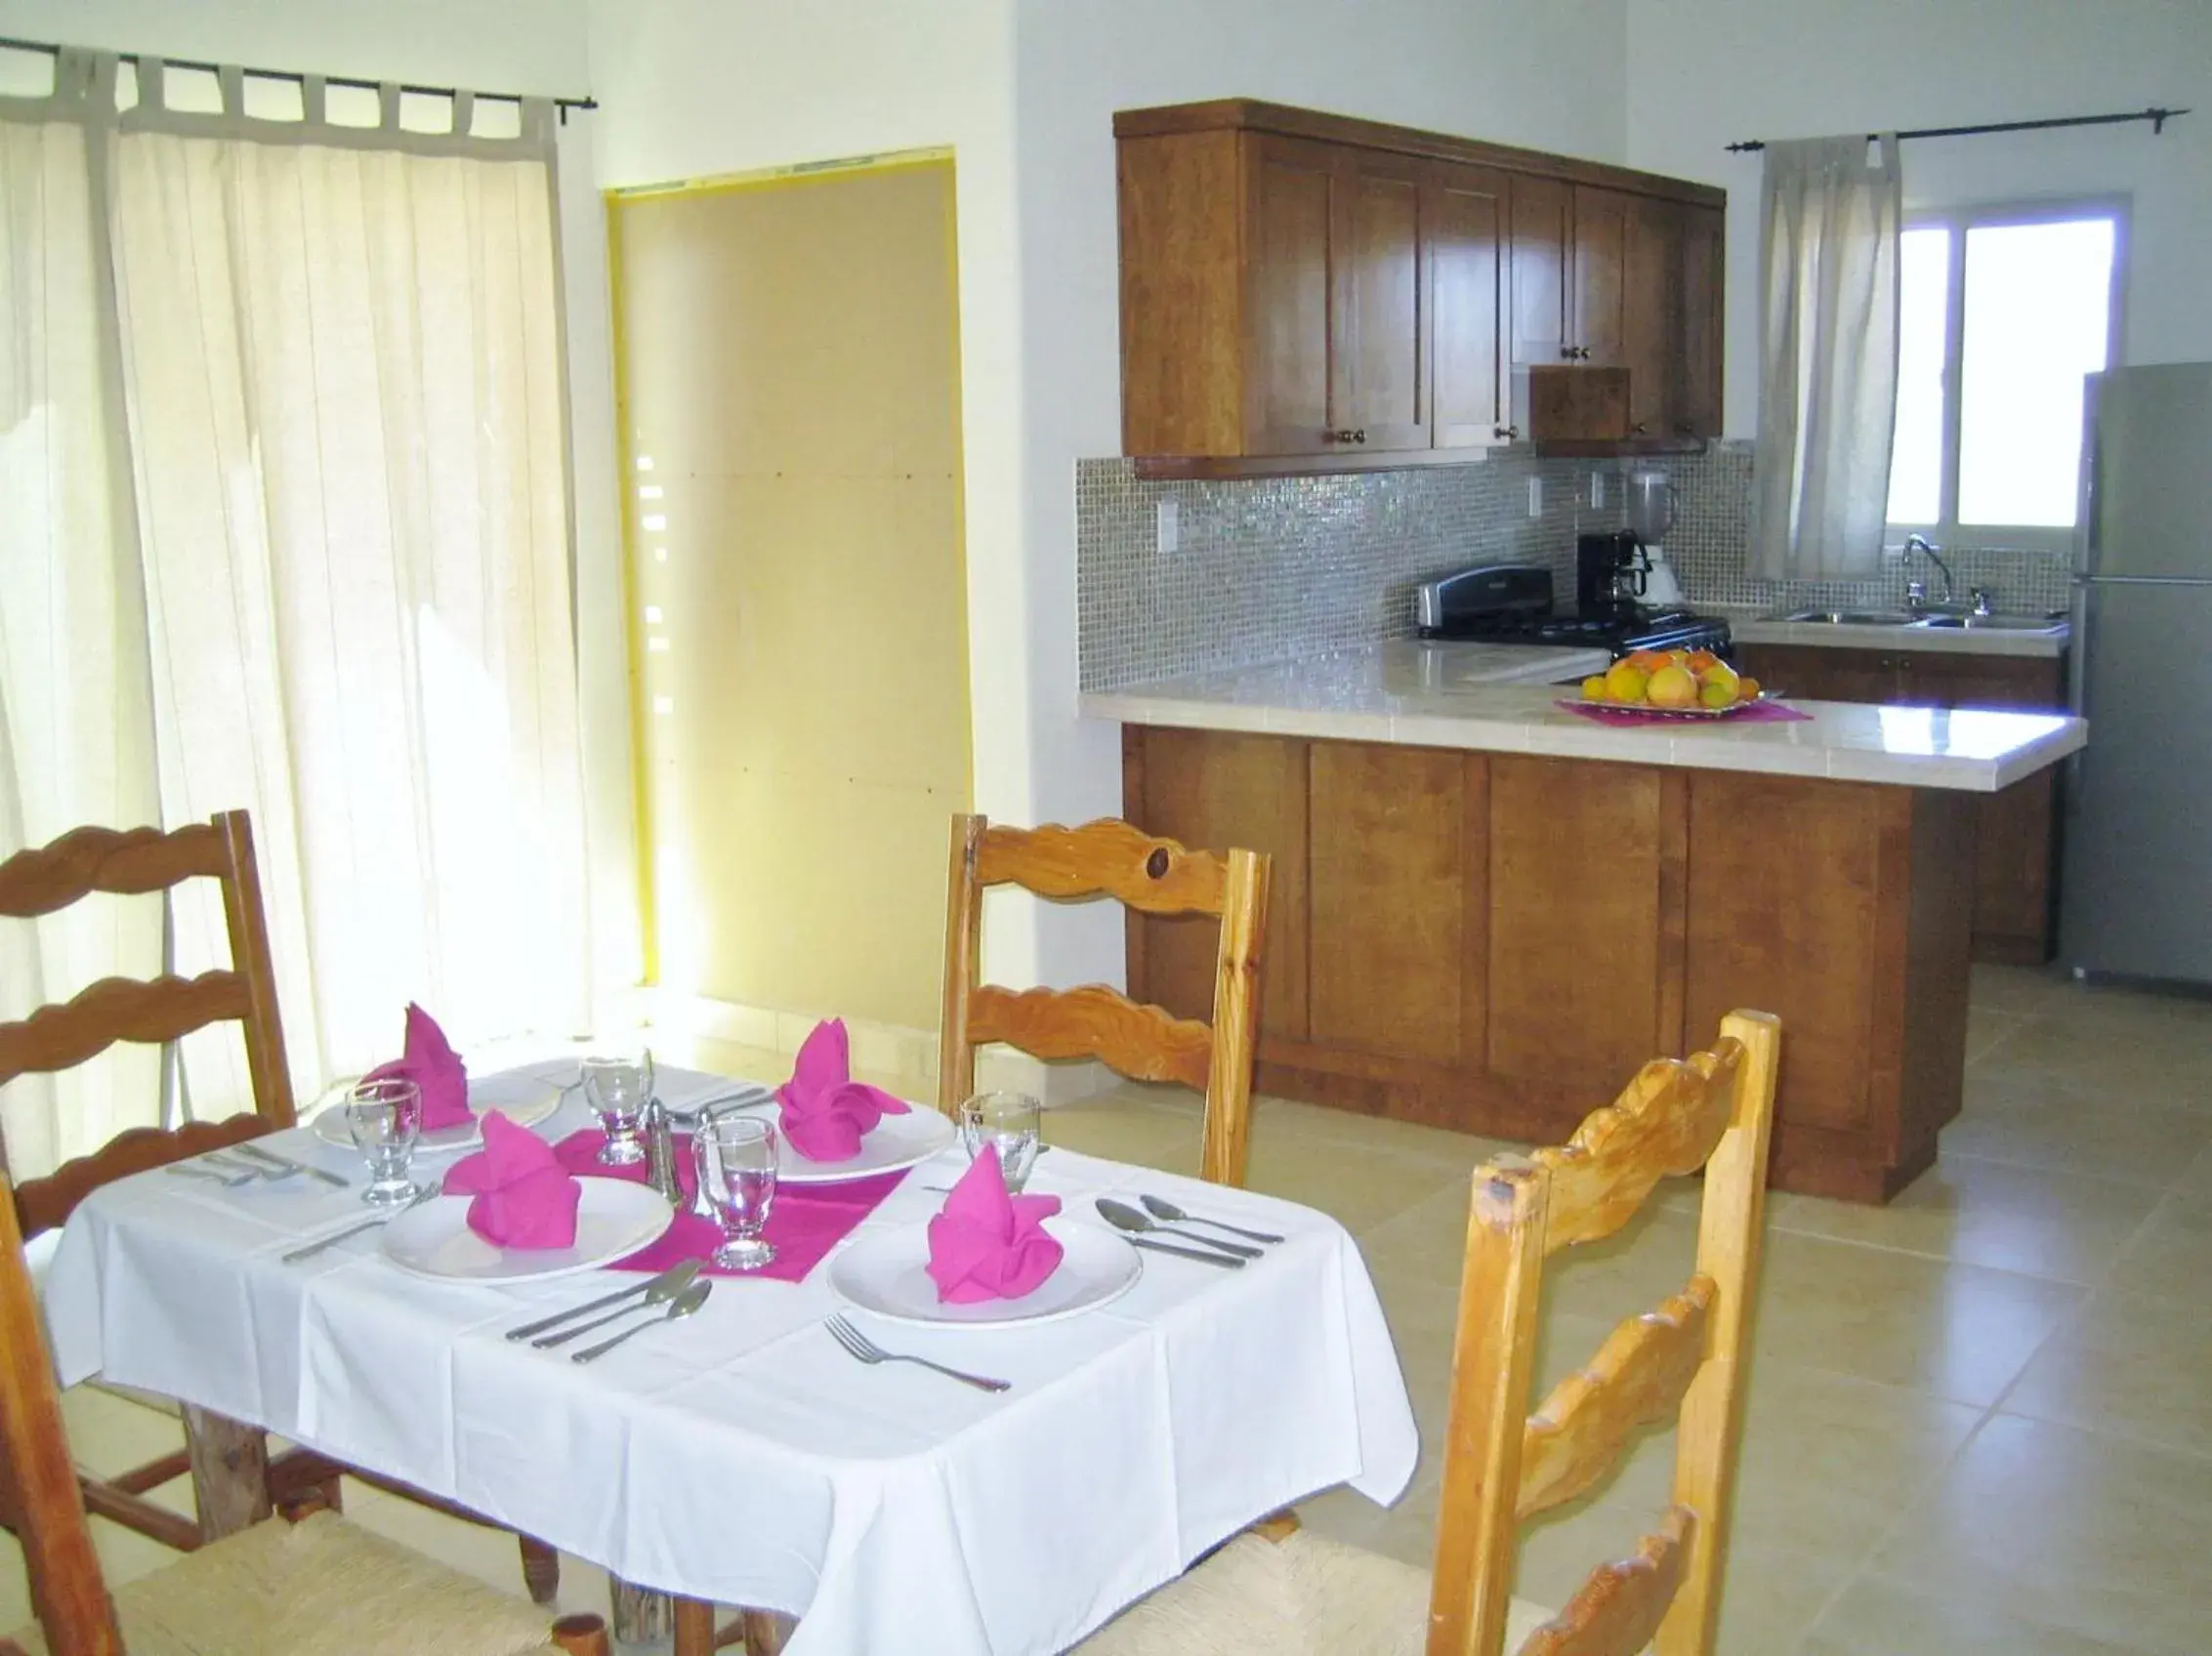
[807, 1221]
[1758, 713]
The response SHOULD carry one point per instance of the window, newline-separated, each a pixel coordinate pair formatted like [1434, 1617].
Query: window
[2003, 311]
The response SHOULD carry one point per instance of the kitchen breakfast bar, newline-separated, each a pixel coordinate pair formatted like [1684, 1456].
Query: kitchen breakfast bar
[1488, 910]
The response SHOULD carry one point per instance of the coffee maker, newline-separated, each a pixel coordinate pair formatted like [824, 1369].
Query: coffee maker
[1610, 575]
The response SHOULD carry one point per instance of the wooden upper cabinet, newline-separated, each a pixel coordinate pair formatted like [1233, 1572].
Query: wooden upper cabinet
[1703, 256]
[1382, 399]
[1302, 292]
[1292, 192]
[1597, 284]
[1469, 304]
[1543, 240]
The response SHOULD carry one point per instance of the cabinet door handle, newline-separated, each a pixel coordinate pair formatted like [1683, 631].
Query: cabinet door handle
[1640, 428]
[1566, 353]
[1509, 433]
[1361, 435]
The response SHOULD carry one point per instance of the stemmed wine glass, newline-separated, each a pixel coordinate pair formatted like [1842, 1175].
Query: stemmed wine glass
[736, 1160]
[616, 1089]
[1008, 1120]
[384, 1119]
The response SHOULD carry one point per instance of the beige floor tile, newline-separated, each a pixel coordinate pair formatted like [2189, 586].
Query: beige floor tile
[1881, 1618]
[2172, 1255]
[1363, 1191]
[2035, 1221]
[2016, 988]
[1954, 1331]
[1828, 1463]
[2129, 1366]
[2195, 1184]
[2077, 1532]
[2026, 1120]
[1124, 1128]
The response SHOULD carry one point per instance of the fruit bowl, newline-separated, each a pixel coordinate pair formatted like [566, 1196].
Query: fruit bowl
[1643, 710]
[1675, 684]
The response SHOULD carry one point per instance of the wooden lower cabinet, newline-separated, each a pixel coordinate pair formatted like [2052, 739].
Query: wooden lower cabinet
[2015, 831]
[1495, 942]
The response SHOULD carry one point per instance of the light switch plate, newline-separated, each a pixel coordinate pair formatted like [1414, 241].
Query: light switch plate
[1535, 497]
[1597, 491]
[1170, 524]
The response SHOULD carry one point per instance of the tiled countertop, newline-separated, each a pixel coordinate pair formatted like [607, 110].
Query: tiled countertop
[1747, 627]
[1443, 695]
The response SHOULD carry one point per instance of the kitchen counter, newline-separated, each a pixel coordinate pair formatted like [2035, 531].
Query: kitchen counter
[1753, 627]
[1447, 695]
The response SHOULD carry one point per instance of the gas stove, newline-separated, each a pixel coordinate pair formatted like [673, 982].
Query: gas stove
[1512, 603]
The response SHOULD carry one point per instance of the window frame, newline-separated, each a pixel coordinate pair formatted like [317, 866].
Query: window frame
[1946, 530]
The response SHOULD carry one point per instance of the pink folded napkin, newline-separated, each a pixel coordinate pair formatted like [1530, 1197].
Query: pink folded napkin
[825, 1112]
[525, 1198]
[434, 1067]
[987, 1245]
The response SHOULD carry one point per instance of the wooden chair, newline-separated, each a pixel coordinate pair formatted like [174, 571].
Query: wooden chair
[1503, 1466]
[319, 1588]
[1110, 859]
[143, 862]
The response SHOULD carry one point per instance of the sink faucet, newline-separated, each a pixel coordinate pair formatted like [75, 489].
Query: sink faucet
[1916, 591]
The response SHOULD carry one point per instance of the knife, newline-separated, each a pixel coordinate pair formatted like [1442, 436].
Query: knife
[1222, 1259]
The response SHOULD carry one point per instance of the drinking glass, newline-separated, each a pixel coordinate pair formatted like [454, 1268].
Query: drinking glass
[384, 1119]
[736, 1159]
[1008, 1120]
[616, 1089]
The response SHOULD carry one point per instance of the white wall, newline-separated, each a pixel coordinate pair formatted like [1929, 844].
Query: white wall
[535, 46]
[1703, 72]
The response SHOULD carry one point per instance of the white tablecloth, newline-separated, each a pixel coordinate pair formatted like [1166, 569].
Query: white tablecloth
[742, 1457]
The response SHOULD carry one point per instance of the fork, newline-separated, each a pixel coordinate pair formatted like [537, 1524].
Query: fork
[229, 1160]
[869, 1352]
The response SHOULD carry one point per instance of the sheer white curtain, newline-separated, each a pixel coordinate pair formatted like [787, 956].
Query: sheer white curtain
[76, 710]
[339, 352]
[1828, 358]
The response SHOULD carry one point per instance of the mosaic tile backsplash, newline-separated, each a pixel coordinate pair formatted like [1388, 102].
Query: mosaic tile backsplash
[1284, 566]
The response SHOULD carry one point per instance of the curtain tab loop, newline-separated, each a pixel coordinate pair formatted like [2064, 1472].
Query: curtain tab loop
[387, 106]
[313, 102]
[231, 86]
[537, 124]
[464, 111]
[153, 83]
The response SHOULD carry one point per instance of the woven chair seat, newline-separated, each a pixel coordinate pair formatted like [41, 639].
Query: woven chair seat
[1303, 1596]
[319, 1588]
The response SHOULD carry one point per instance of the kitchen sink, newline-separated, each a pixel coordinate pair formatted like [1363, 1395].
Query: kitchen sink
[1994, 623]
[1854, 617]
[1922, 619]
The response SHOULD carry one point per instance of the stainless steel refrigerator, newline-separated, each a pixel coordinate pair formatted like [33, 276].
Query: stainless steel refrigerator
[2137, 894]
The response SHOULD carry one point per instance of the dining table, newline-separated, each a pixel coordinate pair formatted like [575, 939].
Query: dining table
[743, 1455]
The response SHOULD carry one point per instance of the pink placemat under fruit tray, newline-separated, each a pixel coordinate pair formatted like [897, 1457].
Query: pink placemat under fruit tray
[1758, 713]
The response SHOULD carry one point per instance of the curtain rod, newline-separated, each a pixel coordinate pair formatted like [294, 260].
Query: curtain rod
[297, 78]
[2156, 116]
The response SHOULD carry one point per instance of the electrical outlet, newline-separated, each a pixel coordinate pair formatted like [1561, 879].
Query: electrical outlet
[1535, 497]
[1597, 491]
[1170, 524]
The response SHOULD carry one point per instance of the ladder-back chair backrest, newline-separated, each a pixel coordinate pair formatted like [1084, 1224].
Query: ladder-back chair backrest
[143, 862]
[1110, 859]
[67, 1596]
[1682, 1359]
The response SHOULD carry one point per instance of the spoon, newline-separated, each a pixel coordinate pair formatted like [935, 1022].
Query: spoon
[1122, 1216]
[687, 1301]
[1174, 1214]
[669, 1285]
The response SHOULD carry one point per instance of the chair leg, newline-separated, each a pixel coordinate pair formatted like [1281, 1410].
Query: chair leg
[640, 1615]
[581, 1635]
[766, 1630]
[694, 1627]
[541, 1569]
[230, 1464]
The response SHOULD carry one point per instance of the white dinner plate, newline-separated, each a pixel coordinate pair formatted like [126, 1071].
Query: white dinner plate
[884, 1272]
[615, 1218]
[524, 1099]
[897, 1142]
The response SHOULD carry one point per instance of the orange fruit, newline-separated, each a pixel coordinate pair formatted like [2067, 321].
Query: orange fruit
[1703, 661]
[1747, 689]
[1673, 686]
[1625, 683]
